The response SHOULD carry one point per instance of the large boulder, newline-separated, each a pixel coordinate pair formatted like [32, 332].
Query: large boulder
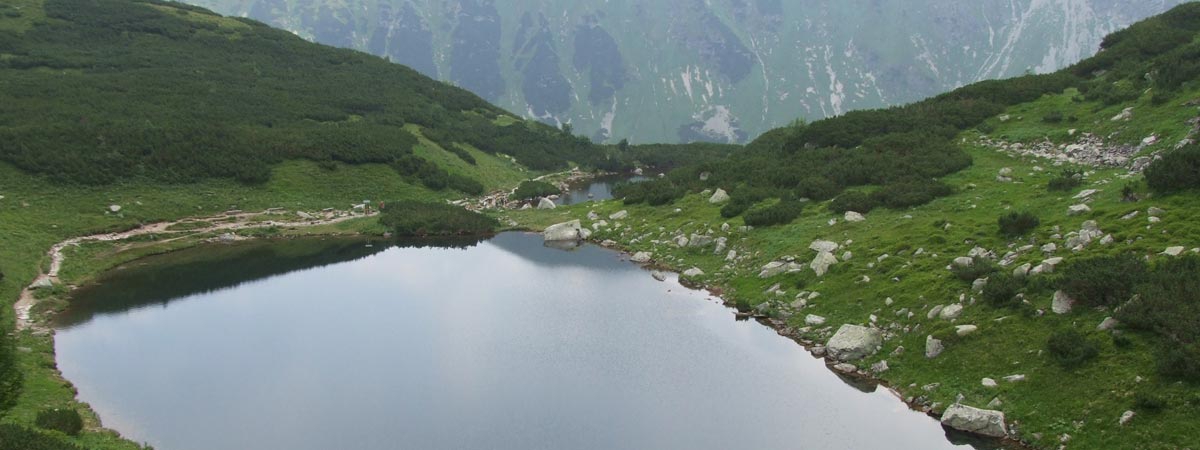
[566, 231]
[974, 420]
[854, 342]
[820, 264]
[700, 240]
[546, 203]
[1062, 303]
[642, 257]
[823, 246]
[852, 216]
[933, 347]
[719, 197]
[693, 272]
[773, 268]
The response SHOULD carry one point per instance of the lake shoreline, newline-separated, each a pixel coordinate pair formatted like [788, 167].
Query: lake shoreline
[860, 379]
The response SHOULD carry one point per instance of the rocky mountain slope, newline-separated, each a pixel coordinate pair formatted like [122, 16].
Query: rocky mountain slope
[685, 70]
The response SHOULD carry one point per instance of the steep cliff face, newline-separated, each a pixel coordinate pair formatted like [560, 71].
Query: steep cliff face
[719, 70]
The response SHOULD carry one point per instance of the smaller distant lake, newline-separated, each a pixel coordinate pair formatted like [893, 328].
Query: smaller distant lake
[599, 188]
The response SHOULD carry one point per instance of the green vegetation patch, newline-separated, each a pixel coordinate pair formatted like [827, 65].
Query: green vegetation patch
[414, 218]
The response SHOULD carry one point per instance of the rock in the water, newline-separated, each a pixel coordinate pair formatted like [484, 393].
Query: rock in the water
[619, 215]
[823, 246]
[546, 203]
[852, 216]
[658, 275]
[845, 368]
[814, 320]
[854, 342]
[974, 420]
[820, 264]
[951, 312]
[693, 272]
[933, 347]
[642, 257]
[1062, 303]
[566, 231]
[1075, 210]
[719, 197]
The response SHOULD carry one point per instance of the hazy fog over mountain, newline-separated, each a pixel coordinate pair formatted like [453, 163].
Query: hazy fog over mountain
[721, 70]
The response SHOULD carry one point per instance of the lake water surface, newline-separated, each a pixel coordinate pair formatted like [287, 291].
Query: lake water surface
[595, 189]
[501, 344]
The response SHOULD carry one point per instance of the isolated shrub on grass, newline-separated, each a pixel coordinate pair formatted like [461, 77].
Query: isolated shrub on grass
[1180, 363]
[979, 268]
[655, 192]
[1066, 180]
[530, 189]
[1053, 117]
[853, 201]
[1103, 280]
[65, 420]
[1148, 402]
[1176, 171]
[1018, 223]
[1002, 289]
[1070, 349]
[781, 213]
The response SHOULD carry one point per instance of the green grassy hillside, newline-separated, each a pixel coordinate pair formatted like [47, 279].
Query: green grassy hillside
[117, 113]
[1043, 146]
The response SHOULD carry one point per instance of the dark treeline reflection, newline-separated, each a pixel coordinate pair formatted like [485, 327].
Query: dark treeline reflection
[163, 278]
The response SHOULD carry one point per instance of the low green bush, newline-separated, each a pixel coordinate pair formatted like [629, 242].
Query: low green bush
[981, 267]
[16, 437]
[1175, 171]
[1066, 180]
[911, 193]
[1166, 303]
[655, 192]
[1103, 280]
[1149, 402]
[67, 421]
[531, 189]
[1002, 289]
[414, 218]
[853, 201]
[1018, 223]
[781, 213]
[1070, 349]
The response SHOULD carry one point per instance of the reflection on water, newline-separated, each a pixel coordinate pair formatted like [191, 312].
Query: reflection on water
[505, 344]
